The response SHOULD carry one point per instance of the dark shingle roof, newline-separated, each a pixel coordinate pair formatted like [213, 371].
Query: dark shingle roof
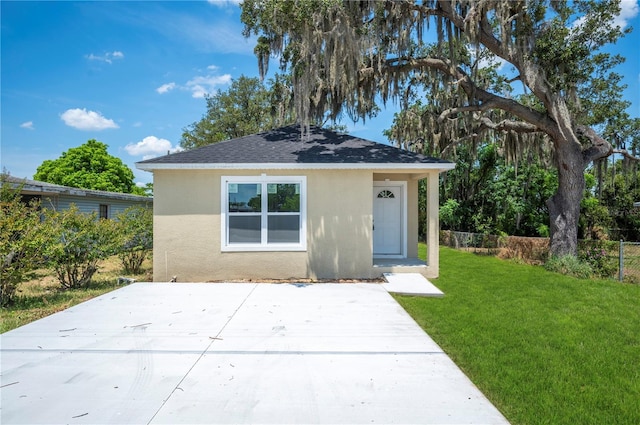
[285, 146]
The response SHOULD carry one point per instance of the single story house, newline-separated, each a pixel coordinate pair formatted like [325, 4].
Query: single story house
[104, 204]
[276, 205]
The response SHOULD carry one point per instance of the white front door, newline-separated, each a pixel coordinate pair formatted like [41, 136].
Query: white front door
[387, 220]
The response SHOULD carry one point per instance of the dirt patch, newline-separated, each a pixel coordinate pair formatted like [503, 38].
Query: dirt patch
[293, 281]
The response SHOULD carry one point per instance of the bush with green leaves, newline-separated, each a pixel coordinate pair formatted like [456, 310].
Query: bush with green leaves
[22, 237]
[569, 265]
[449, 216]
[135, 237]
[602, 264]
[80, 241]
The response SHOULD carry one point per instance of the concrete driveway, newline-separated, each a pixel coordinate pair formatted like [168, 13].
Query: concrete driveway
[159, 353]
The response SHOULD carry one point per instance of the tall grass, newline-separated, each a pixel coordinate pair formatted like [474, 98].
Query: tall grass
[545, 348]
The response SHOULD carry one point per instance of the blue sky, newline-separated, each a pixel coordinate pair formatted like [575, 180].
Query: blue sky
[134, 74]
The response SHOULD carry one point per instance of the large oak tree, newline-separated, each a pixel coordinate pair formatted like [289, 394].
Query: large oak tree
[345, 56]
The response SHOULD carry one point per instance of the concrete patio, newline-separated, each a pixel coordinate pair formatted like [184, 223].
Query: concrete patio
[159, 353]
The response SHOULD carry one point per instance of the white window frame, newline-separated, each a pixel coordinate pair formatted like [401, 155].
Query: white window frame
[264, 180]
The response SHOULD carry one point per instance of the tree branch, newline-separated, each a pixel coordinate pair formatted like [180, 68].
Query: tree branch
[510, 125]
[445, 152]
[485, 35]
[543, 121]
[626, 154]
[600, 148]
[529, 73]
[471, 108]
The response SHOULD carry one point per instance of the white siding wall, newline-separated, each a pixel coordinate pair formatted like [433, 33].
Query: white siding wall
[92, 205]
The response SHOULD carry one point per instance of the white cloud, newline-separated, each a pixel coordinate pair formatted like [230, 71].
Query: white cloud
[200, 85]
[628, 10]
[225, 3]
[150, 147]
[203, 85]
[487, 58]
[86, 120]
[28, 125]
[108, 57]
[166, 88]
[495, 61]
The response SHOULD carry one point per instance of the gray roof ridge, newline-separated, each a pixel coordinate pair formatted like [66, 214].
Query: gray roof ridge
[32, 185]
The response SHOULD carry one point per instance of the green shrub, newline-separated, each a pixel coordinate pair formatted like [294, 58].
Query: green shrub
[448, 213]
[569, 265]
[602, 264]
[135, 237]
[543, 231]
[22, 237]
[81, 240]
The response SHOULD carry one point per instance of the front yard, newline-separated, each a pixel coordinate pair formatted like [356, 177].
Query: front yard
[543, 347]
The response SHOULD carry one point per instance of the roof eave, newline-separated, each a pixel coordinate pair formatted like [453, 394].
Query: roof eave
[440, 166]
[50, 190]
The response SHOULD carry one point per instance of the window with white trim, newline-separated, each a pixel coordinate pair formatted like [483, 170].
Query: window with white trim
[263, 213]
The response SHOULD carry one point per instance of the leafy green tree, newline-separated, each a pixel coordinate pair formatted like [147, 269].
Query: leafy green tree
[621, 190]
[247, 107]
[449, 216]
[346, 56]
[520, 193]
[80, 241]
[22, 237]
[147, 190]
[595, 220]
[135, 237]
[89, 166]
[491, 195]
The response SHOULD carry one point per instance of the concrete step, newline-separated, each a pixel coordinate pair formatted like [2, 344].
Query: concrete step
[410, 284]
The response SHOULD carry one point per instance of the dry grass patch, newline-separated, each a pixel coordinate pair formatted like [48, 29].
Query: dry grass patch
[43, 295]
[529, 250]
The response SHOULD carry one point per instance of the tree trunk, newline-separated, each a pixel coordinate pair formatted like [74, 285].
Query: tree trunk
[564, 206]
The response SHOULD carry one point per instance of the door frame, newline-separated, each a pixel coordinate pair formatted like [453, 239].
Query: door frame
[403, 216]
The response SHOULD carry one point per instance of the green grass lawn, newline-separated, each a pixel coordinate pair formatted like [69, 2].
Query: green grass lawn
[543, 347]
